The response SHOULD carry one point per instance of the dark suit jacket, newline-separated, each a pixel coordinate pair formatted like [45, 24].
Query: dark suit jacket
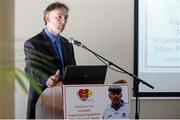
[42, 62]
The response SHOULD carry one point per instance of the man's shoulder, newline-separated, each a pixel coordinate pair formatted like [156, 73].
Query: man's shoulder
[108, 107]
[35, 38]
[39, 38]
[65, 40]
[125, 104]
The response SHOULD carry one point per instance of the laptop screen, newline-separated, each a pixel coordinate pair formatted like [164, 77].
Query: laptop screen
[85, 74]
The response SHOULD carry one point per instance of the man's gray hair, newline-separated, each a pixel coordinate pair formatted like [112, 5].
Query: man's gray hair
[54, 6]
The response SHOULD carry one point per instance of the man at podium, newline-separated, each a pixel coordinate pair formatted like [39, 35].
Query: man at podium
[118, 109]
[48, 53]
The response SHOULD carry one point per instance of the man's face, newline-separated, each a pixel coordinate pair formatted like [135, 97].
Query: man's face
[115, 98]
[56, 20]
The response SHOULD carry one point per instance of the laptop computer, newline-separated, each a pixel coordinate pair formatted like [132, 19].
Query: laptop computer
[85, 74]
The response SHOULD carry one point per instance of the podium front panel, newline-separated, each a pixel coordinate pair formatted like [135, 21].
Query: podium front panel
[88, 101]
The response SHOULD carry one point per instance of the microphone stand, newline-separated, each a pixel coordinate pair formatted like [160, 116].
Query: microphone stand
[137, 80]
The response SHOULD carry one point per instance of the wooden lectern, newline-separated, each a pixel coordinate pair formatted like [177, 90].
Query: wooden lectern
[50, 103]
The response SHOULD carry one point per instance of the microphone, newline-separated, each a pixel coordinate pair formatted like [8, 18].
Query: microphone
[75, 42]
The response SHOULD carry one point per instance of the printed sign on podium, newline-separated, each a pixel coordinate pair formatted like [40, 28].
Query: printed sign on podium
[88, 101]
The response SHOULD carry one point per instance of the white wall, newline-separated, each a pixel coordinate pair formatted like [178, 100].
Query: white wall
[105, 26]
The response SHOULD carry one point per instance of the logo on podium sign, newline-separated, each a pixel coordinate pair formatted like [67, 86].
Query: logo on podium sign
[85, 94]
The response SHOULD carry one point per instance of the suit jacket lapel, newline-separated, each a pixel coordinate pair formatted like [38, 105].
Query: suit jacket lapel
[63, 49]
[48, 44]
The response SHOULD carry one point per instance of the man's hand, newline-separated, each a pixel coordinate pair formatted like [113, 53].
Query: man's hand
[52, 80]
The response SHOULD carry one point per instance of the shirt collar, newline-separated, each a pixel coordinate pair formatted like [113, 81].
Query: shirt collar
[50, 35]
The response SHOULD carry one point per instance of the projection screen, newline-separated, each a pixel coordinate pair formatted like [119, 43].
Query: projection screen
[157, 46]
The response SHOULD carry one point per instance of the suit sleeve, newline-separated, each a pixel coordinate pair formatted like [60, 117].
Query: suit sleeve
[34, 66]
